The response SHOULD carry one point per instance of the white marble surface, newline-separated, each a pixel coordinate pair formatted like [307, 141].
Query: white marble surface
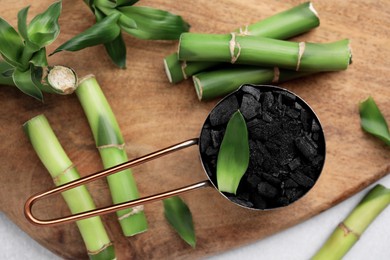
[299, 242]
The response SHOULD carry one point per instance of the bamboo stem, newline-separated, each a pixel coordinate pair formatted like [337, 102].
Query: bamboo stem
[220, 82]
[62, 170]
[347, 233]
[110, 144]
[253, 50]
[284, 25]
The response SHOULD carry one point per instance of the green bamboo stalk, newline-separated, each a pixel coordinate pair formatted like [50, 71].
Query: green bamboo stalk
[78, 199]
[284, 25]
[348, 232]
[253, 50]
[110, 144]
[220, 82]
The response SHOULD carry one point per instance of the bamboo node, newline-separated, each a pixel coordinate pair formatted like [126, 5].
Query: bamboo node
[233, 44]
[104, 247]
[183, 67]
[56, 179]
[119, 146]
[347, 230]
[133, 211]
[276, 75]
[245, 31]
[301, 50]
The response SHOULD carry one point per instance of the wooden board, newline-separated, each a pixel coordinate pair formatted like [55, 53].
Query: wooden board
[154, 114]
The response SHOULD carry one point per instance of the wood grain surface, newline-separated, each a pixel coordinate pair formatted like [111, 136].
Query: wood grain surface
[154, 114]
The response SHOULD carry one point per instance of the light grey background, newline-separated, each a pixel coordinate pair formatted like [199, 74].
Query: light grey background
[299, 242]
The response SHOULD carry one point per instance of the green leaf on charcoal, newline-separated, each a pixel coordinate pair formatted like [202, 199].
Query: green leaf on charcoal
[233, 155]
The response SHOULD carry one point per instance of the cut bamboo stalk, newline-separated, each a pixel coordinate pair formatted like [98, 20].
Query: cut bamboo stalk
[348, 232]
[222, 81]
[259, 51]
[284, 25]
[111, 146]
[78, 199]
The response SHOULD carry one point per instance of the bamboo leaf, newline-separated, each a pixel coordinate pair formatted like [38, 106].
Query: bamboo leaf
[125, 2]
[103, 31]
[116, 49]
[7, 73]
[23, 80]
[22, 23]
[179, 216]
[154, 24]
[11, 44]
[44, 28]
[39, 58]
[233, 155]
[372, 120]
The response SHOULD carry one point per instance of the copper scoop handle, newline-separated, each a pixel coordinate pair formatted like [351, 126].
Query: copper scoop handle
[113, 208]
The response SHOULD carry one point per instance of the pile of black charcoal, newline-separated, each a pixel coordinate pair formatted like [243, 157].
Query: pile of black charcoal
[287, 146]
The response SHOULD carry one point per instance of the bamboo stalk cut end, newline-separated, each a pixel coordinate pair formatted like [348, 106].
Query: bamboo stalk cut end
[62, 79]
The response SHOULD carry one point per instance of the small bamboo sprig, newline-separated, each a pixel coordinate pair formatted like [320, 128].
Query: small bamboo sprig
[78, 199]
[348, 232]
[252, 50]
[111, 146]
[284, 25]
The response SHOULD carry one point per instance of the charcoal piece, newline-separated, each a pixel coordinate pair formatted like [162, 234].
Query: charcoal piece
[205, 139]
[251, 90]
[315, 127]
[216, 137]
[244, 196]
[297, 106]
[315, 136]
[292, 194]
[259, 202]
[305, 119]
[241, 202]
[317, 160]
[211, 151]
[302, 179]
[279, 101]
[294, 164]
[289, 183]
[311, 141]
[307, 150]
[267, 190]
[253, 180]
[292, 113]
[271, 179]
[267, 117]
[288, 97]
[292, 127]
[272, 148]
[223, 111]
[253, 123]
[250, 107]
[282, 201]
[268, 100]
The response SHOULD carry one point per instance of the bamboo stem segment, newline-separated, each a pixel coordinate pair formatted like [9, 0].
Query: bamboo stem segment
[62, 170]
[284, 25]
[222, 81]
[253, 50]
[348, 232]
[110, 143]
